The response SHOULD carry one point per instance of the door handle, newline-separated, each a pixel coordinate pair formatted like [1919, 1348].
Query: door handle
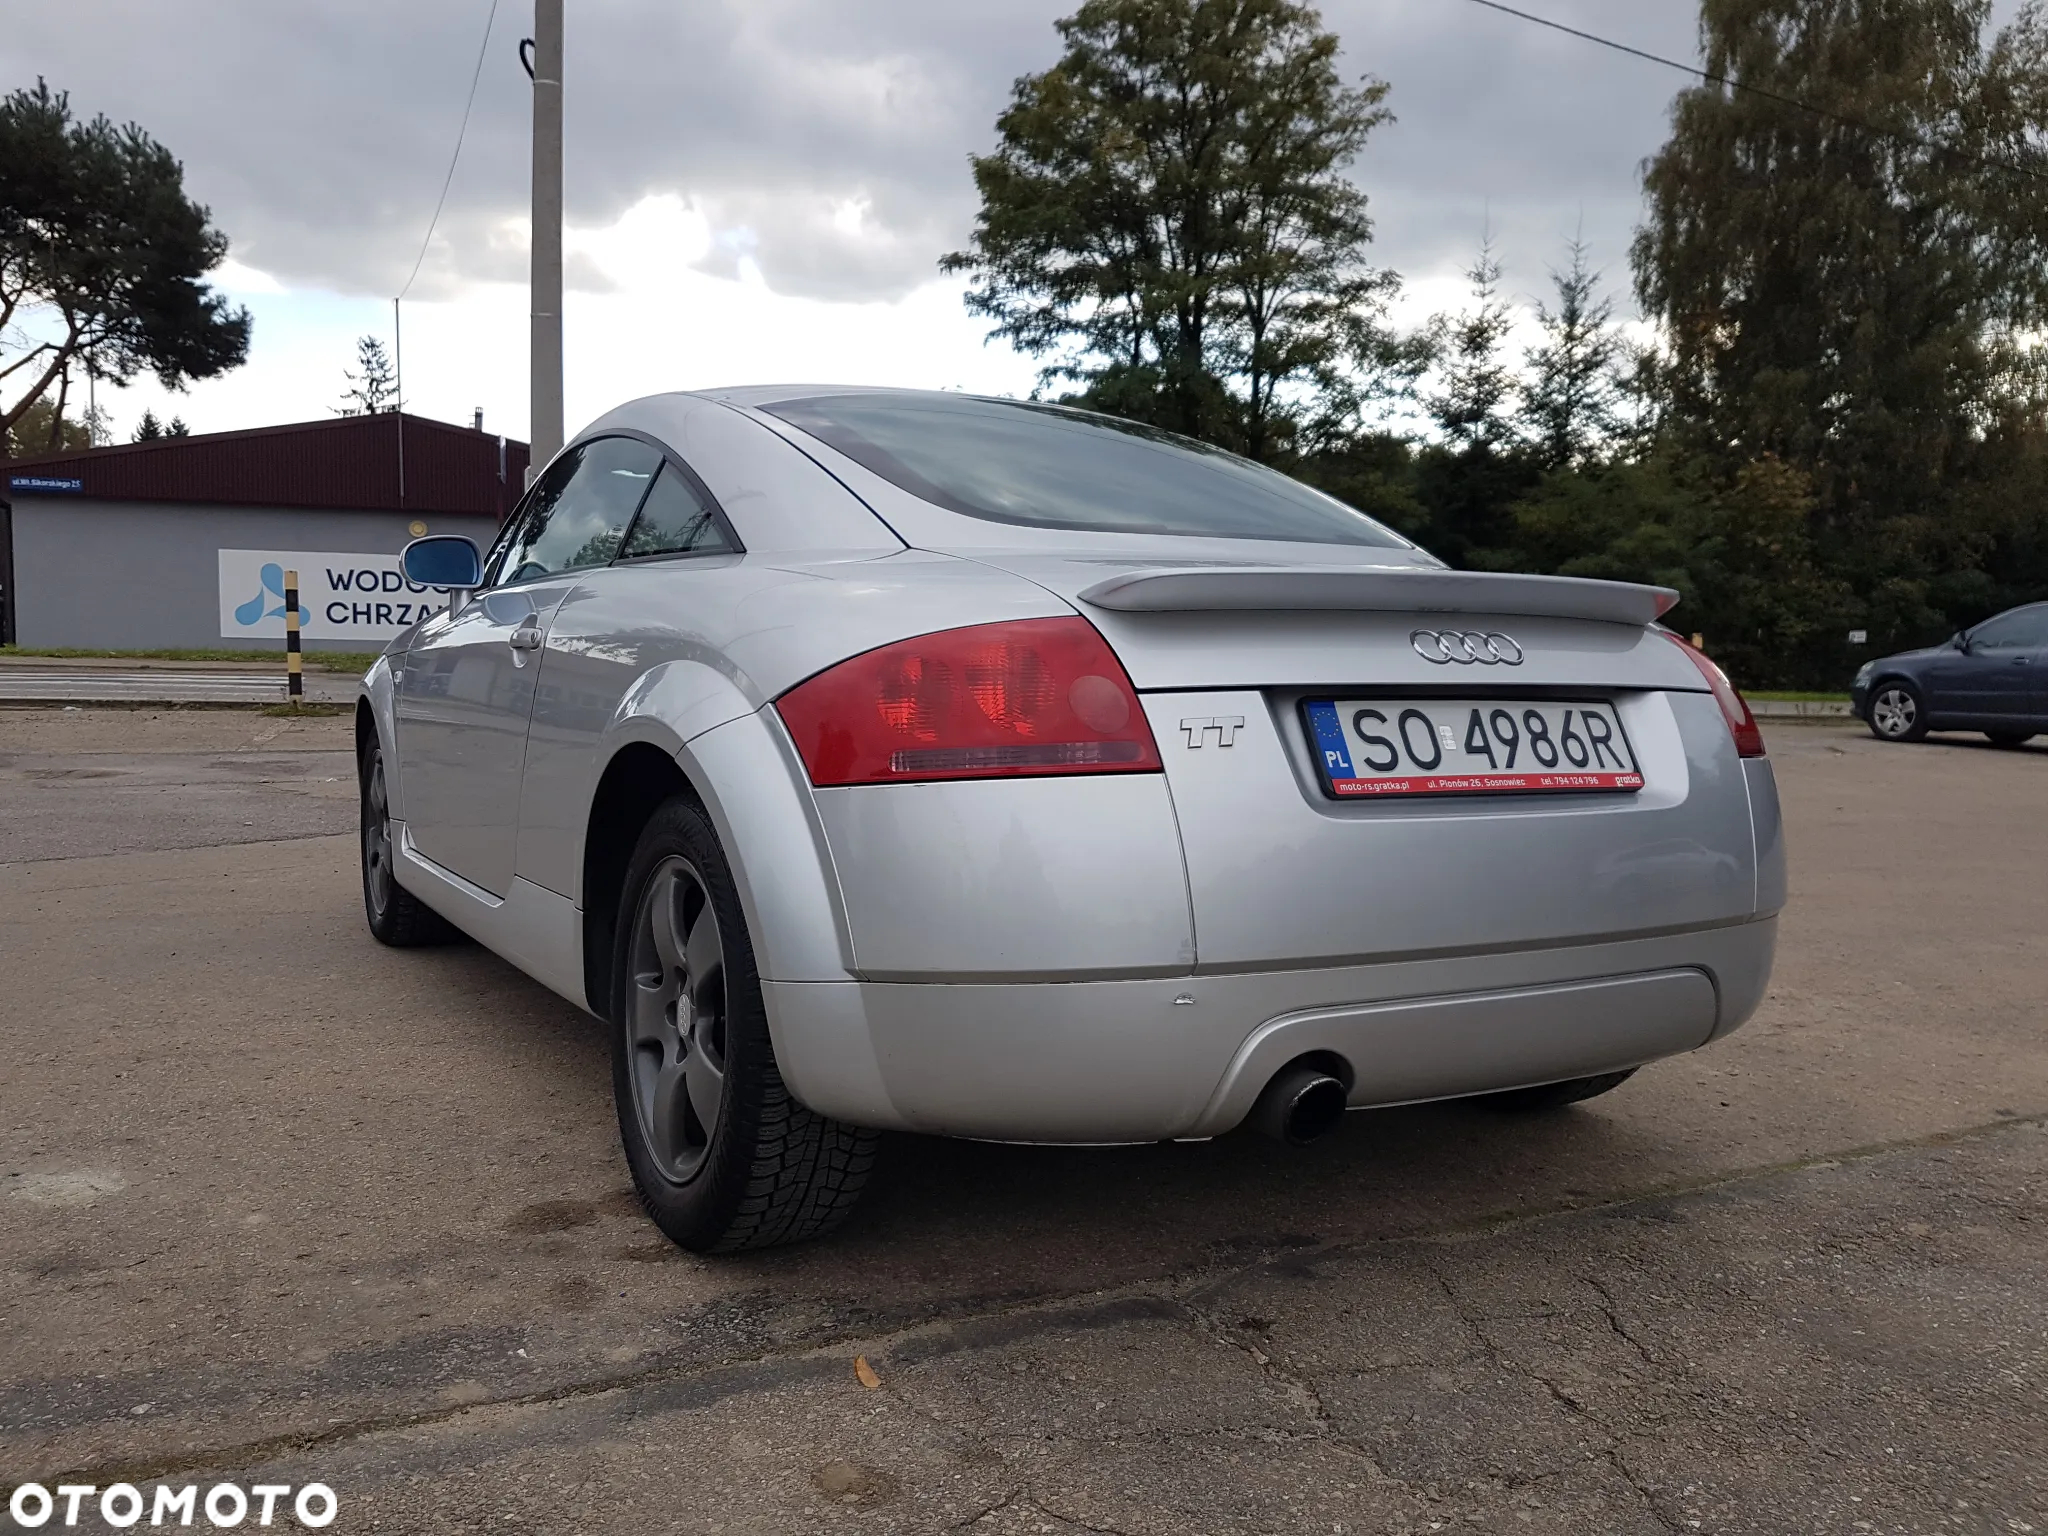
[525, 638]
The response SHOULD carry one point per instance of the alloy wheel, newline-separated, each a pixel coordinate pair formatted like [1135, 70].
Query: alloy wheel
[1893, 712]
[678, 1019]
[377, 839]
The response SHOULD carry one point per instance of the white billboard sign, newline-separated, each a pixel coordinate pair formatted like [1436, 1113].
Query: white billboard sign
[342, 596]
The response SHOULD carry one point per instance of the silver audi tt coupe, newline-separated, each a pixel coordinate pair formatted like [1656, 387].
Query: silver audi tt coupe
[873, 759]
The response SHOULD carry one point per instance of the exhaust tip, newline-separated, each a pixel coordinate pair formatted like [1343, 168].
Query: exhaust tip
[1300, 1105]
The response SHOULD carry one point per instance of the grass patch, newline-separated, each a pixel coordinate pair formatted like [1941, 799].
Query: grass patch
[291, 711]
[324, 661]
[1794, 697]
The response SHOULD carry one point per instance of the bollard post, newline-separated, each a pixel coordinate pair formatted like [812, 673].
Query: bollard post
[294, 686]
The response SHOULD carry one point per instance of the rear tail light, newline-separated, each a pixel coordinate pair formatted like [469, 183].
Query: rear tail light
[1749, 741]
[1038, 696]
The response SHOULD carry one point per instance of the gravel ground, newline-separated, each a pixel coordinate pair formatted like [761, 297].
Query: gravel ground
[282, 1205]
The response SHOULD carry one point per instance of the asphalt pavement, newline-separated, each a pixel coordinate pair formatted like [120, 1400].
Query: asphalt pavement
[281, 1205]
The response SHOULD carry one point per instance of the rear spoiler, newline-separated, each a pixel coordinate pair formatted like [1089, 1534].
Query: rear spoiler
[1380, 588]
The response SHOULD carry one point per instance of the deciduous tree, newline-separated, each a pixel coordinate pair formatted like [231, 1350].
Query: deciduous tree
[103, 259]
[1854, 287]
[1168, 223]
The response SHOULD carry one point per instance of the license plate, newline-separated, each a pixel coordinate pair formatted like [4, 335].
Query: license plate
[1469, 747]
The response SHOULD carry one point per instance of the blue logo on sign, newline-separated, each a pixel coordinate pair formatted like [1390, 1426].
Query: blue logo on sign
[252, 612]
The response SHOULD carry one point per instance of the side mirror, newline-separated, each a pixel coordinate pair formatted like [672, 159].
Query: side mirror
[1961, 641]
[442, 560]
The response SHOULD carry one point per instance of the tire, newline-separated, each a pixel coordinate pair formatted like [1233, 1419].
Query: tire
[722, 1155]
[1897, 712]
[1522, 1101]
[2009, 738]
[396, 916]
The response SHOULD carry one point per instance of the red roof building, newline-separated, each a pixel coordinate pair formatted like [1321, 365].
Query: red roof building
[385, 463]
[172, 543]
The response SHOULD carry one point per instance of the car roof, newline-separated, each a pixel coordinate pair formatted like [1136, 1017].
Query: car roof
[756, 395]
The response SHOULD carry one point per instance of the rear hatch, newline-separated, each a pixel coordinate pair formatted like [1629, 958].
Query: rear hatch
[1294, 860]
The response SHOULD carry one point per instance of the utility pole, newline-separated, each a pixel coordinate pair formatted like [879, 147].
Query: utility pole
[398, 395]
[546, 354]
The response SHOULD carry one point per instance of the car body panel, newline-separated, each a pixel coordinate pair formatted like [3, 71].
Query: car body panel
[1151, 1059]
[1329, 650]
[1767, 824]
[463, 708]
[1976, 688]
[534, 928]
[699, 642]
[1417, 1049]
[1283, 875]
[751, 783]
[1050, 878]
[1087, 957]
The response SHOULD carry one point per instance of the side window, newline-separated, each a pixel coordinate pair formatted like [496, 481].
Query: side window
[584, 521]
[2026, 630]
[529, 516]
[675, 520]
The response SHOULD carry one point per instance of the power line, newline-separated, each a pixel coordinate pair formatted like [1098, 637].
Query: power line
[1756, 90]
[460, 134]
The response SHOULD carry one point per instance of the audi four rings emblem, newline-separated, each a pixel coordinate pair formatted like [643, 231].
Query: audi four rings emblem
[1444, 646]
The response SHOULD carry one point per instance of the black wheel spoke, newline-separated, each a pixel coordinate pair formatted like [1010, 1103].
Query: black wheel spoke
[701, 951]
[706, 1078]
[654, 1024]
[668, 1116]
[377, 838]
[662, 920]
[677, 1048]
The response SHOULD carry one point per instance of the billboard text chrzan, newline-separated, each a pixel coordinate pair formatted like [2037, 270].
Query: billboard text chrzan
[342, 596]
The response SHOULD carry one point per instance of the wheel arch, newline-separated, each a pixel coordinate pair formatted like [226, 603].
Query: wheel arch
[1886, 679]
[638, 780]
[376, 709]
[366, 731]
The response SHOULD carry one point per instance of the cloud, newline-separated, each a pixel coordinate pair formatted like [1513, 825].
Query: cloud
[825, 141]
[764, 186]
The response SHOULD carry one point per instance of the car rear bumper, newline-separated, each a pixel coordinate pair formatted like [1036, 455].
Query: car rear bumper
[1156, 1058]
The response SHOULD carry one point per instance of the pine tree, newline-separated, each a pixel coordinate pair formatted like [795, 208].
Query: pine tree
[177, 428]
[1571, 404]
[374, 388]
[149, 429]
[1474, 404]
[97, 233]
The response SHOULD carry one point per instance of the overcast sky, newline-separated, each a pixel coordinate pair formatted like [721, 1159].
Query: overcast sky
[757, 190]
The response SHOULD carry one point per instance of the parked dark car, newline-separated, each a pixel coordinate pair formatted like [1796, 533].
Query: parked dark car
[1992, 678]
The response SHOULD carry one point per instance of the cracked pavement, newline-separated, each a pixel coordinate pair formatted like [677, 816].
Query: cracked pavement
[281, 1206]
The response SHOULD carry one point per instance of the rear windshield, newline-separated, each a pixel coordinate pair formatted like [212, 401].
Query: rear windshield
[1044, 466]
